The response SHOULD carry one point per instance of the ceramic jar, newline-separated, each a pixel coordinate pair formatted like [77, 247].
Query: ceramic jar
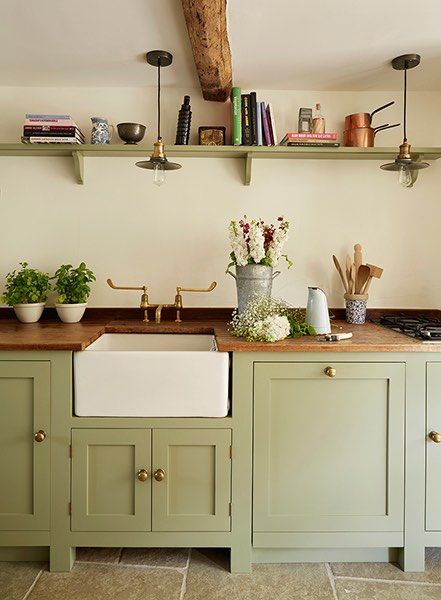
[102, 132]
[356, 308]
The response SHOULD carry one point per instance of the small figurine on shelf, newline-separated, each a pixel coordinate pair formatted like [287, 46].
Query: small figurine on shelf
[318, 120]
[184, 122]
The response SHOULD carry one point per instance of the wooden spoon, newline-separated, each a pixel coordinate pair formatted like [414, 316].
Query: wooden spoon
[357, 261]
[340, 272]
[348, 270]
[362, 276]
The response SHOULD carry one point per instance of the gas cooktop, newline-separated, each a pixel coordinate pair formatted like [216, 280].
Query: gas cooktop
[422, 328]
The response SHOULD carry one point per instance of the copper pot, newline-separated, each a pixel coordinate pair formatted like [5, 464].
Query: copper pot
[363, 137]
[363, 119]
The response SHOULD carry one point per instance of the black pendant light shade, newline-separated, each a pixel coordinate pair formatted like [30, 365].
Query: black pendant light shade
[404, 163]
[158, 160]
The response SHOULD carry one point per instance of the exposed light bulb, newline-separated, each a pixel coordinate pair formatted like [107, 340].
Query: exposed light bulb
[405, 177]
[158, 174]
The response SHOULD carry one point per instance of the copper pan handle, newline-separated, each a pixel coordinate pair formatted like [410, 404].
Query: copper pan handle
[387, 126]
[381, 108]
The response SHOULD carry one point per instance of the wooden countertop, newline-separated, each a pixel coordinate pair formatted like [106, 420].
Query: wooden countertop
[51, 334]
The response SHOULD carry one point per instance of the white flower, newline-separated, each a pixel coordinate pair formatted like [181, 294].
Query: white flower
[276, 245]
[272, 329]
[256, 242]
[238, 244]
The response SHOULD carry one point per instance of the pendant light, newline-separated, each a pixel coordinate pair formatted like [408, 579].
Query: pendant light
[404, 163]
[158, 162]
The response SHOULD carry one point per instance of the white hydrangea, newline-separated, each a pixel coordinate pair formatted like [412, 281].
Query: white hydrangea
[238, 244]
[256, 242]
[271, 329]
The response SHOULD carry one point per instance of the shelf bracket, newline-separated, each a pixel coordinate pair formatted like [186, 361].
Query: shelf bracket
[248, 165]
[78, 160]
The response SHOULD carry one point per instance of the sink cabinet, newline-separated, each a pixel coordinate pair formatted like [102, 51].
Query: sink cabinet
[328, 450]
[151, 480]
[24, 453]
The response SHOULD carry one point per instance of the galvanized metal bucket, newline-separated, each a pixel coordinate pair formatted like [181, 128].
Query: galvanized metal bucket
[252, 280]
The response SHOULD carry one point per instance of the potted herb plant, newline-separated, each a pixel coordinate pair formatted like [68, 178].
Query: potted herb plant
[26, 291]
[72, 286]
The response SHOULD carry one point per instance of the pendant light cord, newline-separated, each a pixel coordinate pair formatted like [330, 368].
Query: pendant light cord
[405, 103]
[159, 98]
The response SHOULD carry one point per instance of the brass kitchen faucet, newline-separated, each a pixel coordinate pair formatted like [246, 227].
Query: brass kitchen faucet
[145, 305]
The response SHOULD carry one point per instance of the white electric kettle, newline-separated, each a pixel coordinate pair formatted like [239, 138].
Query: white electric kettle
[317, 312]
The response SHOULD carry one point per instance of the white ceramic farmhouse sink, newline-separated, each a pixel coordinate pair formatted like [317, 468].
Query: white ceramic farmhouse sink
[151, 375]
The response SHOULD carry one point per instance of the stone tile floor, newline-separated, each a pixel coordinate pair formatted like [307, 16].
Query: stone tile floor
[167, 574]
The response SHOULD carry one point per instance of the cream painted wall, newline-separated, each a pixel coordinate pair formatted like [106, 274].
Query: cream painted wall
[126, 228]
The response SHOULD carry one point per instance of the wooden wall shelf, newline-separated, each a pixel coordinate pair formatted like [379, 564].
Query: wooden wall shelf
[246, 153]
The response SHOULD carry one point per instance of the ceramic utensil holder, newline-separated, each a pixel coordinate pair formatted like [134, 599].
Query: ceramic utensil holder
[356, 308]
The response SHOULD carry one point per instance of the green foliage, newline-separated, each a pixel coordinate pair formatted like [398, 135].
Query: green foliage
[26, 286]
[72, 284]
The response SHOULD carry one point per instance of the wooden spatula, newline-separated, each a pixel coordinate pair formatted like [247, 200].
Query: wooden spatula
[357, 261]
[348, 270]
[373, 272]
[362, 277]
[340, 272]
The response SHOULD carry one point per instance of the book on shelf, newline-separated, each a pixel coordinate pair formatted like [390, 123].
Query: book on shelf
[311, 144]
[253, 115]
[298, 136]
[236, 108]
[259, 124]
[246, 120]
[266, 129]
[272, 123]
[52, 131]
[36, 139]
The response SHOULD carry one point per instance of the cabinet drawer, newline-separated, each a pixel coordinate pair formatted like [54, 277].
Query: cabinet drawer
[329, 450]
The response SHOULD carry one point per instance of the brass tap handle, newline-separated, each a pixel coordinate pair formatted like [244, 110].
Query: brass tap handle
[143, 475]
[159, 474]
[178, 297]
[330, 372]
[213, 284]
[110, 283]
[40, 436]
[435, 437]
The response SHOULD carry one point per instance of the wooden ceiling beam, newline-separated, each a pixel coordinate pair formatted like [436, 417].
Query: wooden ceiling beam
[207, 29]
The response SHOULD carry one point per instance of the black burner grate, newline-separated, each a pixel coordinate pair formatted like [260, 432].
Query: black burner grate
[419, 327]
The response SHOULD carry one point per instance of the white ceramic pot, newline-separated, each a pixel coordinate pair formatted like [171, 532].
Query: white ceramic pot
[29, 313]
[71, 313]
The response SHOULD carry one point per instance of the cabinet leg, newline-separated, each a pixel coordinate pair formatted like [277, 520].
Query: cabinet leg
[412, 559]
[62, 558]
[240, 560]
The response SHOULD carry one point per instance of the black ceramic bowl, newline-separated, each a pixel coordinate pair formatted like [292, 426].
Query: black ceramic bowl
[131, 133]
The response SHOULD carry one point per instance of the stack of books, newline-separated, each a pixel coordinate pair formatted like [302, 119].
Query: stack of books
[310, 139]
[253, 122]
[51, 129]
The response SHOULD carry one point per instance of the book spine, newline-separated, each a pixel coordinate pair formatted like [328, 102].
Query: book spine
[312, 136]
[236, 109]
[43, 117]
[314, 144]
[273, 124]
[270, 125]
[246, 124]
[35, 139]
[259, 124]
[40, 123]
[253, 112]
[266, 130]
[57, 131]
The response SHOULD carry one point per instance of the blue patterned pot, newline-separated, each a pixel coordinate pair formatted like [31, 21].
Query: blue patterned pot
[356, 308]
[101, 131]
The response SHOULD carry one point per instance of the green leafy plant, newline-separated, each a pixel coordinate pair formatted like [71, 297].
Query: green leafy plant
[26, 286]
[72, 285]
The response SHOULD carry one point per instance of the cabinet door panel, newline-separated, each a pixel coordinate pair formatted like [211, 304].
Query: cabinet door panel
[329, 452]
[433, 450]
[106, 492]
[195, 493]
[24, 463]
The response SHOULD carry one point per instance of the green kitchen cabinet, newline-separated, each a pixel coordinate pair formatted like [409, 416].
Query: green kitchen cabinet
[111, 479]
[151, 480]
[433, 448]
[25, 445]
[329, 447]
[194, 494]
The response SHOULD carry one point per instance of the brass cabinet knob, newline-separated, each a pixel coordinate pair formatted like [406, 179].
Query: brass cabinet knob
[143, 474]
[435, 437]
[330, 371]
[159, 474]
[40, 436]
